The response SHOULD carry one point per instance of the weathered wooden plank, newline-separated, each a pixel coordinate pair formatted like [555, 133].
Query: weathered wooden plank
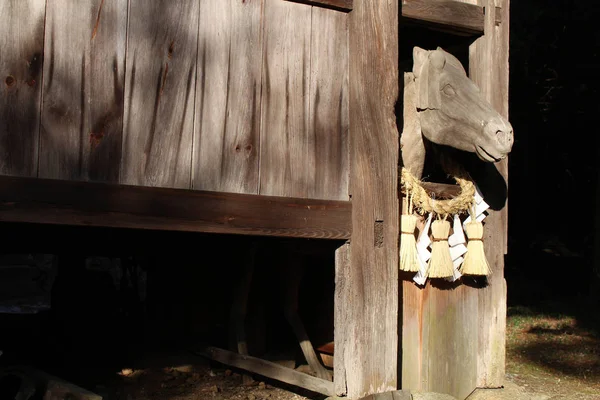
[500, 83]
[49, 201]
[21, 54]
[82, 110]
[450, 15]
[226, 144]
[287, 158]
[490, 69]
[372, 280]
[342, 5]
[449, 337]
[270, 370]
[439, 337]
[343, 322]
[329, 104]
[413, 374]
[159, 94]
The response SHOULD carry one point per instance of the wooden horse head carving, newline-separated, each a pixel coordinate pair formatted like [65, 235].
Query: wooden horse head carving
[450, 111]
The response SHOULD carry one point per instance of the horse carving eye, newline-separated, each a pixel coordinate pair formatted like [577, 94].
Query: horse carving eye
[449, 90]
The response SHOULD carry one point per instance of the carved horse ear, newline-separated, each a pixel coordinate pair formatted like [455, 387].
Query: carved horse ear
[421, 71]
[427, 67]
[438, 59]
[419, 58]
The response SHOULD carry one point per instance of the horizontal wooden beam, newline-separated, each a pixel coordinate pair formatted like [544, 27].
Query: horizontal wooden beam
[448, 15]
[49, 201]
[269, 370]
[342, 5]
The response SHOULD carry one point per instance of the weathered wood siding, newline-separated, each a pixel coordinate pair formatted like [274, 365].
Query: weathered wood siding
[221, 95]
[82, 109]
[228, 98]
[21, 52]
[159, 96]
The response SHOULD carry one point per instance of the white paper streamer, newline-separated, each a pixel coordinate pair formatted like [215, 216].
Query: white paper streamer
[457, 242]
[423, 252]
[480, 208]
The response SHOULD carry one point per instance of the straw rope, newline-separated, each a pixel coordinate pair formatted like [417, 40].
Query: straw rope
[423, 203]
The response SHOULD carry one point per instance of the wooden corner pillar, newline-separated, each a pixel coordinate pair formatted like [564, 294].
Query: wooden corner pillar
[367, 291]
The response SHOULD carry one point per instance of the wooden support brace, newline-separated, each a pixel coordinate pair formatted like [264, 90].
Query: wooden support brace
[269, 370]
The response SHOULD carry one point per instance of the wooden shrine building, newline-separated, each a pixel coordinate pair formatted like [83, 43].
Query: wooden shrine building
[258, 117]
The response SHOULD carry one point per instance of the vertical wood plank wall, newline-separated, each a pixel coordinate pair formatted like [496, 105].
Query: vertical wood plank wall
[82, 99]
[159, 96]
[465, 326]
[286, 162]
[228, 96]
[222, 95]
[21, 53]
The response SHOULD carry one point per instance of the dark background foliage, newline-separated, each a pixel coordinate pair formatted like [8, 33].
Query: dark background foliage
[553, 168]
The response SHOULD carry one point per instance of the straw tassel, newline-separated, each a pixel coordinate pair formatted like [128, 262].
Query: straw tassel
[475, 261]
[408, 245]
[440, 264]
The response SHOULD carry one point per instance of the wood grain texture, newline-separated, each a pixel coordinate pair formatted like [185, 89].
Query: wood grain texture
[342, 5]
[328, 115]
[343, 316]
[414, 375]
[270, 370]
[412, 146]
[61, 202]
[489, 63]
[287, 158]
[449, 339]
[372, 280]
[159, 96]
[439, 337]
[451, 15]
[226, 144]
[21, 56]
[83, 90]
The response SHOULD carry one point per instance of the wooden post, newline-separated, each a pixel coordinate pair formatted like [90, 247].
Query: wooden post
[369, 317]
[489, 69]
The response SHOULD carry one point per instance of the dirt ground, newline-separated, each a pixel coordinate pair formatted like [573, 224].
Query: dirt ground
[185, 376]
[555, 353]
[549, 356]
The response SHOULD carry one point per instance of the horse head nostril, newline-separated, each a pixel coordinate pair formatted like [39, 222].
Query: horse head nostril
[505, 138]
